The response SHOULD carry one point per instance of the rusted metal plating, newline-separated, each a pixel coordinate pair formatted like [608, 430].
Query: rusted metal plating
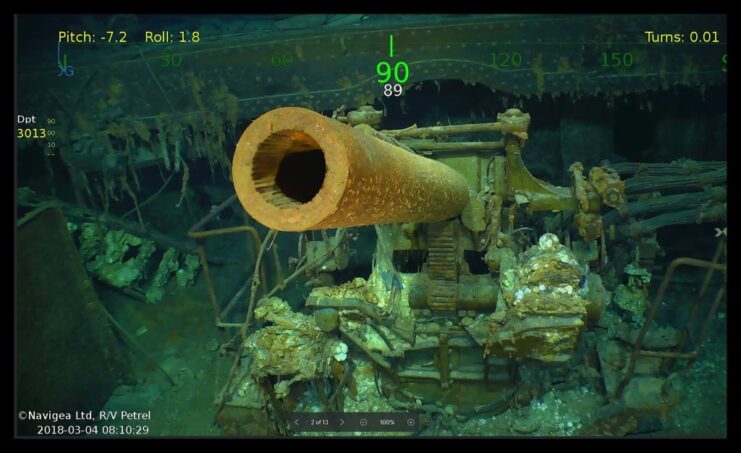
[296, 170]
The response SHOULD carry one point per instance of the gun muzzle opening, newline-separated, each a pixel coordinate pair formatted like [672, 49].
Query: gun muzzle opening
[288, 169]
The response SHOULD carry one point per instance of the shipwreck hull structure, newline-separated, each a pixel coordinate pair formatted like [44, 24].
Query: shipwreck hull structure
[485, 281]
[559, 55]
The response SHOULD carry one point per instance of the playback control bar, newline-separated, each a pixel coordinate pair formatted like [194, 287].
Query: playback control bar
[354, 421]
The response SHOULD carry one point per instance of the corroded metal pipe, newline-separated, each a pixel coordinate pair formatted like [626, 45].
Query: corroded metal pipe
[297, 170]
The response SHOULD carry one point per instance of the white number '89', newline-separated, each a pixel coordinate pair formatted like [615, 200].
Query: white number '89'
[389, 90]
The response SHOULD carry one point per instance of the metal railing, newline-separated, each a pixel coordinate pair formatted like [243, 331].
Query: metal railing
[667, 356]
[200, 236]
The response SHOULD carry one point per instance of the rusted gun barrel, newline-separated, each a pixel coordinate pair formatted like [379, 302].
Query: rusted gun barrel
[297, 170]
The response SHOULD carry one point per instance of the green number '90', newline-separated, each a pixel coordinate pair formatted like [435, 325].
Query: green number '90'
[383, 68]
